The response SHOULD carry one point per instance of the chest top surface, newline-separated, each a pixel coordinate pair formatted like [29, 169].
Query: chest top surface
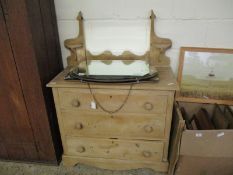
[167, 81]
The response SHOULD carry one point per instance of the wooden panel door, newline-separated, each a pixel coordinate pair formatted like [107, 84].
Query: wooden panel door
[16, 135]
[35, 51]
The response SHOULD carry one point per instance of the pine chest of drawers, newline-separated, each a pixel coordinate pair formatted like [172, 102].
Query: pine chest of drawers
[137, 136]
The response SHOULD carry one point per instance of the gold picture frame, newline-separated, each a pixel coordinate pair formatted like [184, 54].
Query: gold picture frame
[207, 83]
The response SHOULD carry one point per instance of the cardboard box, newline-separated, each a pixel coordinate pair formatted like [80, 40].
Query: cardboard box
[199, 152]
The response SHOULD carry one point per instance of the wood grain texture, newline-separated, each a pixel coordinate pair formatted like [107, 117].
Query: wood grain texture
[114, 164]
[59, 117]
[178, 125]
[122, 125]
[114, 149]
[126, 55]
[3, 151]
[155, 56]
[15, 125]
[37, 60]
[76, 45]
[158, 46]
[170, 103]
[22, 151]
[53, 63]
[145, 102]
[94, 137]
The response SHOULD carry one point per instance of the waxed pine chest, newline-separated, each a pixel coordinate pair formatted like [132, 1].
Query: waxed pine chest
[137, 136]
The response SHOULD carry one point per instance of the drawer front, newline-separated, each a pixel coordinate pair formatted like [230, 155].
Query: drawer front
[139, 101]
[114, 149]
[130, 126]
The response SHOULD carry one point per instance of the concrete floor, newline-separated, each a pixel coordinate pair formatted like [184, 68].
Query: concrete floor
[12, 168]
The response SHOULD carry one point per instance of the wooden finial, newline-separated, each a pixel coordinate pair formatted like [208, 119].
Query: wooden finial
[158, 46]
[153, 16]
[80, 16]
[76, 45]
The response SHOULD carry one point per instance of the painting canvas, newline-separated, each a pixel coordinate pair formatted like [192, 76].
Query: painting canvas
[206, 74]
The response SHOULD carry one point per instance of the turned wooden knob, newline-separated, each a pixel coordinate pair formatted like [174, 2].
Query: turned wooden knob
[81, 149]
[147, 154]
[79, 126]
[148, 106]
[75, 103]
[148, 128]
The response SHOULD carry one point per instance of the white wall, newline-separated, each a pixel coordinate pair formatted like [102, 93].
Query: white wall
[119, 25]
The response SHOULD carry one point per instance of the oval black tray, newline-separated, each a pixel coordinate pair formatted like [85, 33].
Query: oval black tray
[111, 78]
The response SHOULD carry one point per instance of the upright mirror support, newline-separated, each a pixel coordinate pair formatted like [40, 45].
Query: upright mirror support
[155, 56]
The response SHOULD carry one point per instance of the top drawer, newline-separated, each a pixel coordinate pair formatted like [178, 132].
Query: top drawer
[139, 101]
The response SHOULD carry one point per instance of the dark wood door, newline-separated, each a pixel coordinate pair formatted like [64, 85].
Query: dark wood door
[35, 58]
[16, 135]
[29, 58]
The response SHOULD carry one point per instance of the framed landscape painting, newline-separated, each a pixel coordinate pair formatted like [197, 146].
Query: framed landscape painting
[205, 75]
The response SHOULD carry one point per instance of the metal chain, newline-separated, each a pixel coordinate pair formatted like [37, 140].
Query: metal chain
[103, 108]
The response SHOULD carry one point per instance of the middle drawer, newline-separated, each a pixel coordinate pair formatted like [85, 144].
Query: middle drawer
[101, 125]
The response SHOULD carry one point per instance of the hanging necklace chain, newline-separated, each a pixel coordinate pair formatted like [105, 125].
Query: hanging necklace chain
[98, 103]
[106, 110]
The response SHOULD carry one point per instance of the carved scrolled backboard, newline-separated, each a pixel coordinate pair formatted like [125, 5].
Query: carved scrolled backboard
[155, 57]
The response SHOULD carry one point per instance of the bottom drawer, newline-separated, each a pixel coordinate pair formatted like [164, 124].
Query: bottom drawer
[114, 164]
[114, 149]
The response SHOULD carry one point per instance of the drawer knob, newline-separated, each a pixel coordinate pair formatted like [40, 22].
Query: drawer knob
[148, 106]
[81, 149]
[146, 154]
[75, 103]
[78, 126]
[148, 128]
